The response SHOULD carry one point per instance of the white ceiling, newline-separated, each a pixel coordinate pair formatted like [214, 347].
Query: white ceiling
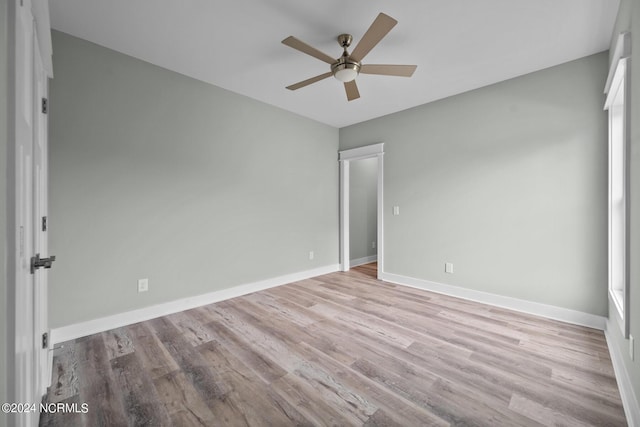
[458, 45]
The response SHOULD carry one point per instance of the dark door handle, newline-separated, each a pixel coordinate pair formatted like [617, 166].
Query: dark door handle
[37, 262]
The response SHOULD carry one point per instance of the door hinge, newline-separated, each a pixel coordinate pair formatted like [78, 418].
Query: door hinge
[44, 223]
[37, 262]
[45, 106]
[45, 340]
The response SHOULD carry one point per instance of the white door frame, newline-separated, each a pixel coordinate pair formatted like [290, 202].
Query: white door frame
[345, 158]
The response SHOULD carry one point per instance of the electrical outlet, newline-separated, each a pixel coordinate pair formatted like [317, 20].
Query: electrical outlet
[448, 267]
[373, 245]
[631, 342]
[311, 255]
[143, 285]
[396, 210]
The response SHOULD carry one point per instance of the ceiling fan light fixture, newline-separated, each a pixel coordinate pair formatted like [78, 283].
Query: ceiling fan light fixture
[345, 71]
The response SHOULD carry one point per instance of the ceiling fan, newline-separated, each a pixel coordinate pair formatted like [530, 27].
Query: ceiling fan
[348, 66]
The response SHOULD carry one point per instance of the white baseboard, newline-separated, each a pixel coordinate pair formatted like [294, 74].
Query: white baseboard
[362, 261]
[629, 399]
[538, 309]
[89, 327]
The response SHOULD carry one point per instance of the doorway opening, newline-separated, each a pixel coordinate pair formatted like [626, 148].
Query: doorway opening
[363, 212]
[363, 252]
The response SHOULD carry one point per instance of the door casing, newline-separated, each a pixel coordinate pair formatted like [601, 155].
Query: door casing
[345, 158]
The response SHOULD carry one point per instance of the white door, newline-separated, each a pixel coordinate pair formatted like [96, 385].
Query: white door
[40, 222]
[31, 183]
[26, 391]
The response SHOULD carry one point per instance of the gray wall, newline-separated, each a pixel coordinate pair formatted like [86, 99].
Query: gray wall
[629, 19]
[156, 175]
[363, 208]
[507, 182]
[4, 205]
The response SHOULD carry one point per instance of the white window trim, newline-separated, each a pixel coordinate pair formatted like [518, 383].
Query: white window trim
[618, 81]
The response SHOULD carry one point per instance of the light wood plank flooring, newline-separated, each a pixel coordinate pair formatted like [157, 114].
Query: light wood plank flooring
[341, 349]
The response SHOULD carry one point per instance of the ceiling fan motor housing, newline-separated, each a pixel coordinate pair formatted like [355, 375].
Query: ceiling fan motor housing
[345, 69]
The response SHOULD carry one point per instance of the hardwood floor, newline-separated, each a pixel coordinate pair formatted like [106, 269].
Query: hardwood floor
[340, 349]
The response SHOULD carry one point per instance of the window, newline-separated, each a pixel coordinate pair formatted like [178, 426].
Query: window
[617, 105]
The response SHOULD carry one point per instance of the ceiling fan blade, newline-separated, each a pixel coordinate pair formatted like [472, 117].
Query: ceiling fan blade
[352, 90]
[389, 70]
[309, 50]
[376, 32]
[309, 81]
